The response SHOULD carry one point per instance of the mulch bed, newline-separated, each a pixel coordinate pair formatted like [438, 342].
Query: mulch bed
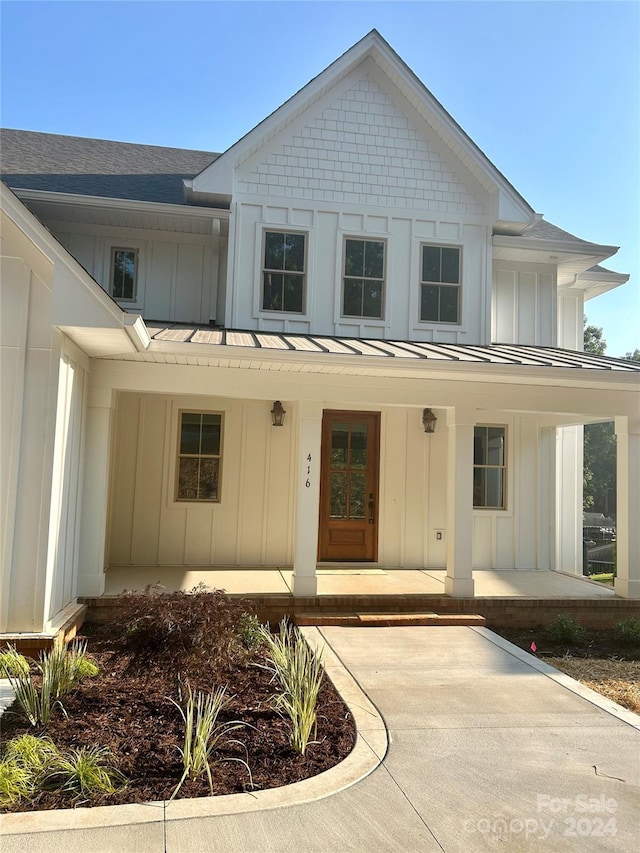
[599, 660]
[127, 709]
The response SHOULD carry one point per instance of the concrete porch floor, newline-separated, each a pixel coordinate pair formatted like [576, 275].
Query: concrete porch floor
[333, 581]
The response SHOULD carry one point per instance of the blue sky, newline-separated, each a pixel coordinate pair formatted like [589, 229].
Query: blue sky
[549, 90]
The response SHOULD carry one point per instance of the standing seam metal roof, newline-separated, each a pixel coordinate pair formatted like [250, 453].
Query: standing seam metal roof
[502, 354]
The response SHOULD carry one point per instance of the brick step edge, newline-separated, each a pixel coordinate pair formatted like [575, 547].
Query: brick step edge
[362, 620]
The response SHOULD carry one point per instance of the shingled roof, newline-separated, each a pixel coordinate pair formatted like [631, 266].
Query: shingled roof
[100, 167]
[97, 167]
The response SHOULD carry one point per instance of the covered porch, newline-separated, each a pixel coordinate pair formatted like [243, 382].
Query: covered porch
[263, 536]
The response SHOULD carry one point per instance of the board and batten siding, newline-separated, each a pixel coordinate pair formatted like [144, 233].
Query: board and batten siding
[524, 304]
[177, 275]
[326, 230]
[521, 536]
[249, 526]
[252, 525]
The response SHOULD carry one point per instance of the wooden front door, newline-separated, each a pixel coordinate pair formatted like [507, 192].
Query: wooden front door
[349, 486]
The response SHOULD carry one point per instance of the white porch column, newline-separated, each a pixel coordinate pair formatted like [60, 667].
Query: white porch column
[459, 579]
[95, 492]
[627, 583]
[307, 499]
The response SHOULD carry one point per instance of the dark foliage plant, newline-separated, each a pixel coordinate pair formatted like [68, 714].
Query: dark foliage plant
[170, 627]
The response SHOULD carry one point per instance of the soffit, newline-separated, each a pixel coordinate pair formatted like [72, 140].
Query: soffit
[119, 213]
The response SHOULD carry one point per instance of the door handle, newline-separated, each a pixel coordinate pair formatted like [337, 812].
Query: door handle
[372, 507]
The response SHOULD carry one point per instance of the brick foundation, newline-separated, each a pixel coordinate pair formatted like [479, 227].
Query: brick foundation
[497, 612]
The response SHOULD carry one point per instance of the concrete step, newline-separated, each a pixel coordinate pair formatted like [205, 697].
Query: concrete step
[378, 620]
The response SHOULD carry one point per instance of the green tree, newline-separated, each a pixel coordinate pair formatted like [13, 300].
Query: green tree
[599, 485]
[593, 340]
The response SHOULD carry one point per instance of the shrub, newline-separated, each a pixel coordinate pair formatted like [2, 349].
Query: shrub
[26, 758]
[12, 662]
[15, 783]
[36, 704]
[60, 669]
[627, 632]
[249, 630]
[83, 772]
[205, 733]
[565, 629]
[169, 627]
[298, 671]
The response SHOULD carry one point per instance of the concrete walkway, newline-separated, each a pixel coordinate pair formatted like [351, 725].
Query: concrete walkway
[489, 749]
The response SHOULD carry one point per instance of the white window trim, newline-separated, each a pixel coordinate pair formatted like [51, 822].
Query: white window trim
[182, 502]
[440, 324]
[504, 511]
[136, 270]
[340, 318]
[281, 228]
[110, 245]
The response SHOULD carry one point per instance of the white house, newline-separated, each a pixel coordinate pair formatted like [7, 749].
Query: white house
[355, 260]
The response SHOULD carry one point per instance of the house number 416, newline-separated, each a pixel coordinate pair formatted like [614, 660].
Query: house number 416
[307, 482]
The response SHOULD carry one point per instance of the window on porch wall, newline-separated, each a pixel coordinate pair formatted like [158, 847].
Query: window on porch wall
[489, 467]
[199, 457]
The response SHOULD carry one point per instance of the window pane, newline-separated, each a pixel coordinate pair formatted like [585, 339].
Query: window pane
[431, 263]
[124, 273]
[338, 496]
[358, 446]
[273, 251]
[292, 293]
[190, 433]
[294, 252]
[353, 297]
[495, 446]
[354, 258]
[494, 487]
[356, 496]
[188, 479]
[429, 303]
[374, 259]
[272, 291]
[480, 446]
[451, 266]
[372, 306]
[479, 486]
[210, 434]
[339, 445]
[208, 486]
[449, 304]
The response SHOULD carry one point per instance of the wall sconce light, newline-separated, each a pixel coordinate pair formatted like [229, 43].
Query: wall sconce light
[428, 420]
[277, 414]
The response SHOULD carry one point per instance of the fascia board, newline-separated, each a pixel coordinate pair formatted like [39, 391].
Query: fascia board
[595, 284]
[557, 246]
[42, 237]
[456, 371]
[131, 205]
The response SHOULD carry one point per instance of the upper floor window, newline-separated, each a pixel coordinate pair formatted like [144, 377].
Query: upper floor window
[363, 291]
[440, 284]
[199, 456]
[489, 467]
[124, 274]
[283, 274]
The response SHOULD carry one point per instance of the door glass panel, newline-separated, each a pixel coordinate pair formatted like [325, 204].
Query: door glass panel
[358, 457]
[339, 445]
[356, 496]
[338, 496]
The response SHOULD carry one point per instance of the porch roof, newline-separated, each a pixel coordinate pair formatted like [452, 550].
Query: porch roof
[499, 354]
